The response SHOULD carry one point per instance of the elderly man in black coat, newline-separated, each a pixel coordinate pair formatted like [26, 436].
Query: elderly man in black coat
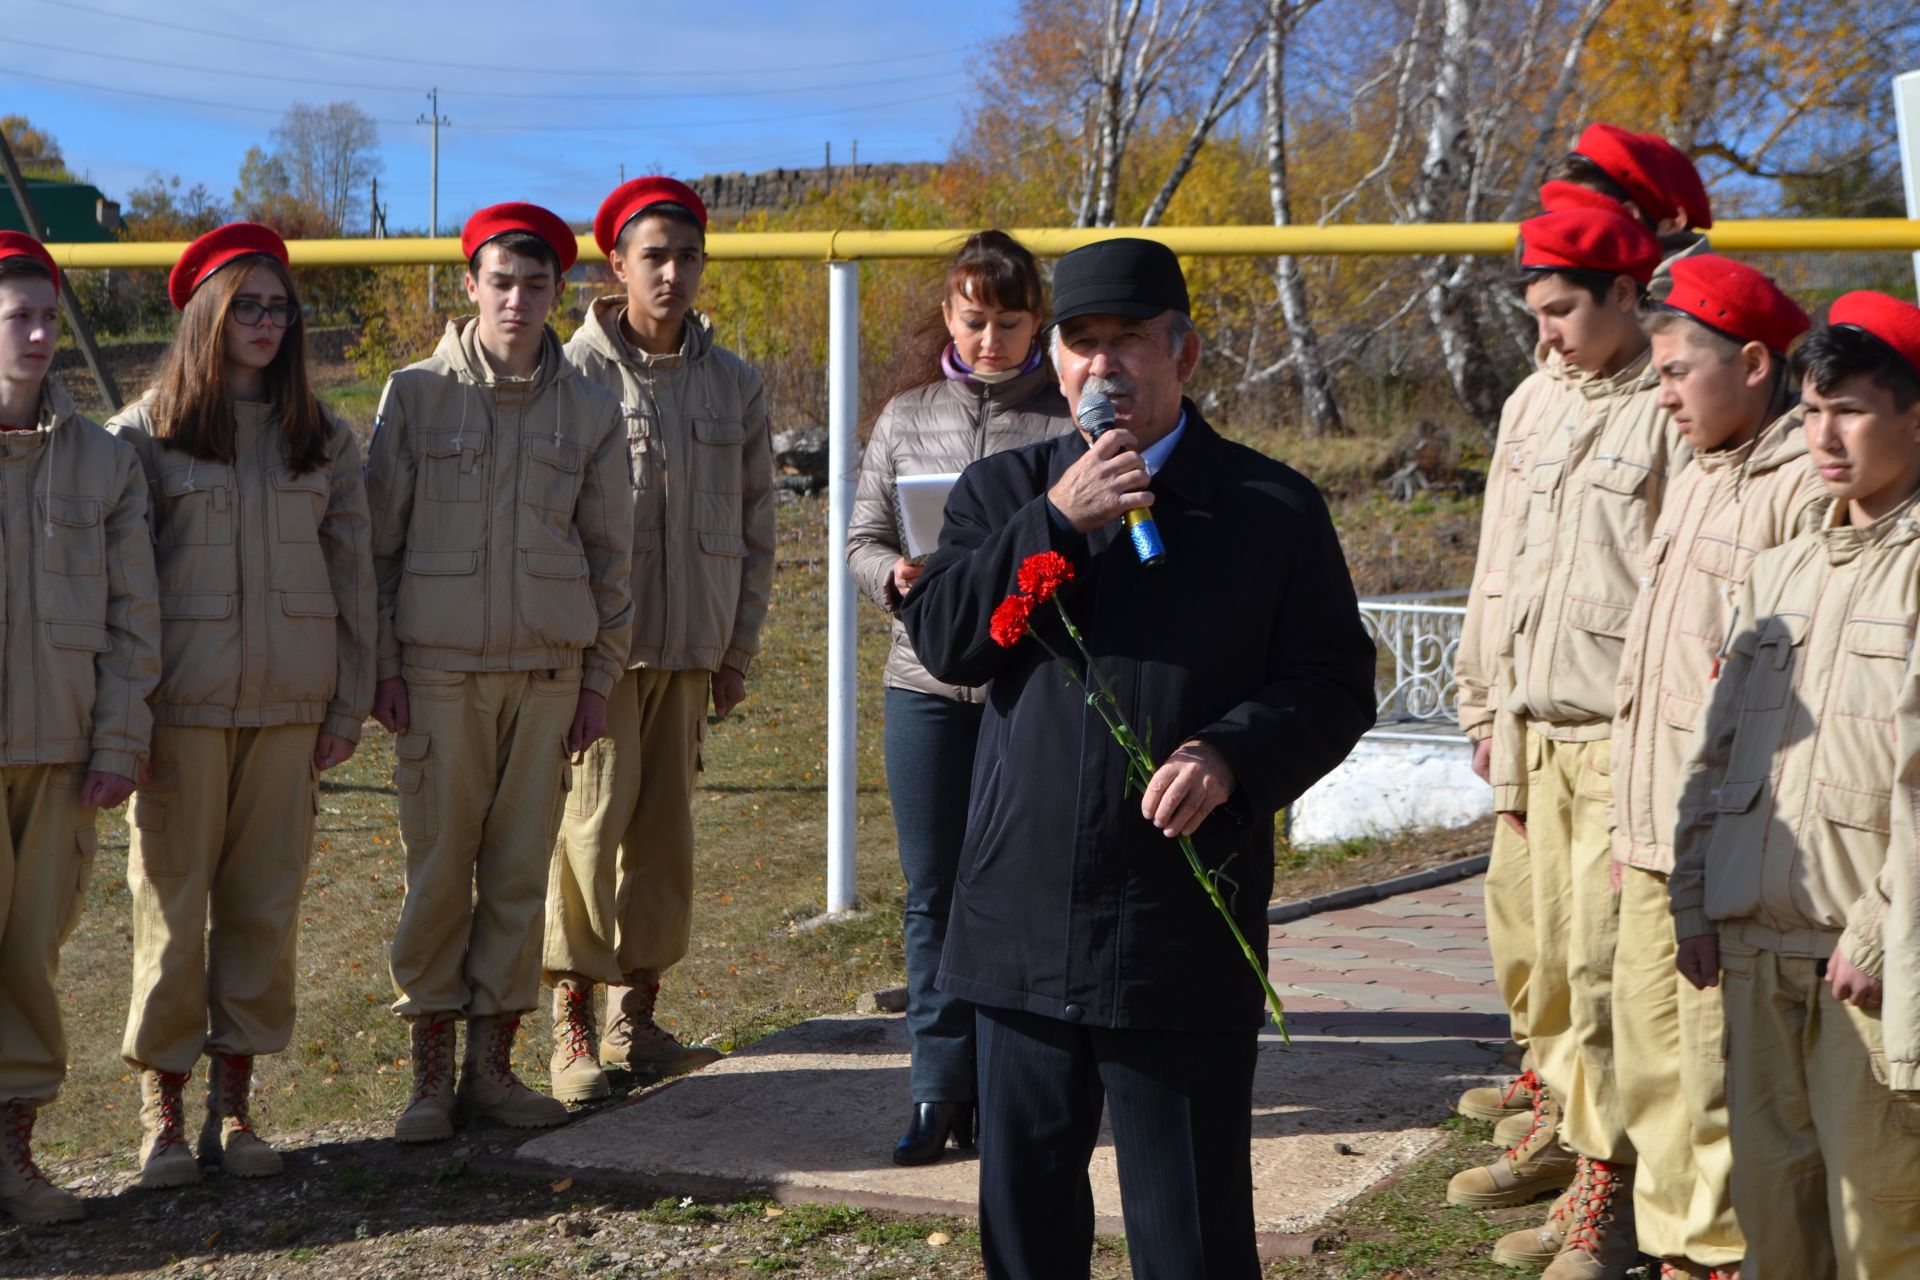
[1102, 974]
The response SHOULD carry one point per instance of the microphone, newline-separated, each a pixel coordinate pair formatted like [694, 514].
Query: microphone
[1095, 416]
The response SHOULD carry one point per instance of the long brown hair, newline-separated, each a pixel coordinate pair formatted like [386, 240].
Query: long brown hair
[191, 411]
[1002, 274]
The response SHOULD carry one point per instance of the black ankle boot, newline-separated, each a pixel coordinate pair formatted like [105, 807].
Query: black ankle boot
[932, 1124]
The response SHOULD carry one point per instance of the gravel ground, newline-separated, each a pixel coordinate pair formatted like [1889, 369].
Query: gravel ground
[353, 1203]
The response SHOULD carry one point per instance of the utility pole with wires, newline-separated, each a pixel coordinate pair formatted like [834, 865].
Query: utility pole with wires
[433, 181]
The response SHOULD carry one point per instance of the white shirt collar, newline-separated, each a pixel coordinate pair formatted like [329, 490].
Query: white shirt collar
[1156, 454]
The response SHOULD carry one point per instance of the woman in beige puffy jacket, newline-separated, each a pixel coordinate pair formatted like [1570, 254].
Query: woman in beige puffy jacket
[265, 564]
[976, 381]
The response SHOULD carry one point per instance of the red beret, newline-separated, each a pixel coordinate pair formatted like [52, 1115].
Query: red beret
[629, 198]
[1628, 160]
[18, 244]
[1557, 196]
[1735, 299]
[499, 219]
[1588, 240]
[1894, 322]
[1681, 181]
[215, 250]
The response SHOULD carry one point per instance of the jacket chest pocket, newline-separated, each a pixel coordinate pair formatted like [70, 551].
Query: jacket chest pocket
[299, 504]
[195, 506]
[1719, 558]
[716, 463]
[1775, 662]
[1616, 504]
[1873, 660]
[455, 466]
[550, 473]
[73, 543]
[1543, 499]
[643, 454]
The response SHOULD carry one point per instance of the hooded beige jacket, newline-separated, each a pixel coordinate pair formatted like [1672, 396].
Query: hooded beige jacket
[1594, 488]
[1790, 838]
[1477, 661]
[502, 517]
[266, 579]
[942, 427]
[80, 633]
[1724, 509]
[702, 454]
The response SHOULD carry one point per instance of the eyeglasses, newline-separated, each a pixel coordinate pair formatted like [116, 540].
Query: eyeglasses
[247, 311]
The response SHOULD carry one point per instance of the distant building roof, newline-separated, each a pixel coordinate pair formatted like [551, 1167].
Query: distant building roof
[73, 211]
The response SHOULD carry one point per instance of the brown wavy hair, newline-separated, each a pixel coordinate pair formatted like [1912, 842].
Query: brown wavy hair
[191, 411]
[1003, 274]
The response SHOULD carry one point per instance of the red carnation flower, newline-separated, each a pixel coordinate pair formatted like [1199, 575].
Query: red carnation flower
[1009, 623]
[1043, 574]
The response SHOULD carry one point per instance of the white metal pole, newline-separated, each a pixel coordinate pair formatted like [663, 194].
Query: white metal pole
[843, 460]
[1906, 116]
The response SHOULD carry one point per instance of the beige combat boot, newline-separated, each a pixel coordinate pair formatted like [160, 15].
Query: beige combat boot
[429, 1113]
[1513, 1131]
[1496, 1102]
[1600, 1237]
[575, 1066]
[227, 1134]
[1535, 1247]
[488, 1086]
[1538, 1164]
[635, 1042]
[25, 1192]
[164, 1158]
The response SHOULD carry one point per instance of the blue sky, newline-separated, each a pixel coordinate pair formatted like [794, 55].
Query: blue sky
[547, 101]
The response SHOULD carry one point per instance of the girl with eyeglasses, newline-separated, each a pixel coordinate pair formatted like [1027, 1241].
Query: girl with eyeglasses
[263, 551]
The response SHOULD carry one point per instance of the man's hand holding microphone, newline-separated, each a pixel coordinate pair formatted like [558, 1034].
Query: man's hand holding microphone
[1108, 481]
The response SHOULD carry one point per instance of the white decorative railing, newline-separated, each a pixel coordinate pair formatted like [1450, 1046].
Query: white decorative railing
[1418, 636]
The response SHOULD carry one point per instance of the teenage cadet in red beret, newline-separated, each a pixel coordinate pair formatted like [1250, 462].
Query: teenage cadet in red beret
[1719, 348]
[1645, 177]
[80, 653]
[266, 639]
[1561, 545]
[1501, 762]
[620, 903]
[1794, 873]
[502, 525]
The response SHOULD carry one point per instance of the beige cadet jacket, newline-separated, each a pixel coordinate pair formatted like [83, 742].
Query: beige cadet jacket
[1786, 801]
[1593, 491]
[266, 579]
[502, 517]
[942, 427]
[80, 633]
[703, 502]
[1727, 507]
[1477, 660]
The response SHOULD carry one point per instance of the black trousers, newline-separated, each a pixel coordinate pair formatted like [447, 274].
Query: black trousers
[1182, 1108]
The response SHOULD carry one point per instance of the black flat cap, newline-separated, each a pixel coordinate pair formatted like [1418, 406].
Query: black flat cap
[1125, 277]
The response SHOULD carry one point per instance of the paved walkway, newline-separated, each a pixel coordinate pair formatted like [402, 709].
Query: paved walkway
[1392, 1011]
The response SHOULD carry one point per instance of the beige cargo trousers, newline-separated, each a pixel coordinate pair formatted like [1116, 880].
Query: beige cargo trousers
[481, 773]
[46, 857]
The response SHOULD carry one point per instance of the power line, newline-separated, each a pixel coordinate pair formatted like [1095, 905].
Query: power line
[411, 90]
[520, 69]
[668, 128]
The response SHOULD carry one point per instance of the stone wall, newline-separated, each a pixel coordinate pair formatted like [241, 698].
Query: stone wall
[731, 195]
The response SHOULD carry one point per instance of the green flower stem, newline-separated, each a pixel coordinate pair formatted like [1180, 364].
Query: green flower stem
[1140, 770]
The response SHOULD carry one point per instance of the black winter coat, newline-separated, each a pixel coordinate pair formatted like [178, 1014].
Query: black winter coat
[1068, 902]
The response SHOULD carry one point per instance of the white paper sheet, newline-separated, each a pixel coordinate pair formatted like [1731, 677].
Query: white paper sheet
[923, 510]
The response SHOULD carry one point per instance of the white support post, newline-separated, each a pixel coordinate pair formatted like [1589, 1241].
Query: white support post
[1906, 116]
[843, 461]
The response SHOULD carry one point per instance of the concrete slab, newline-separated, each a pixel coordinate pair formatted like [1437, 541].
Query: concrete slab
[811, 1114]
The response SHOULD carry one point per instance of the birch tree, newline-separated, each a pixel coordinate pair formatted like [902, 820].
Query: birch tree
[1317, 398]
